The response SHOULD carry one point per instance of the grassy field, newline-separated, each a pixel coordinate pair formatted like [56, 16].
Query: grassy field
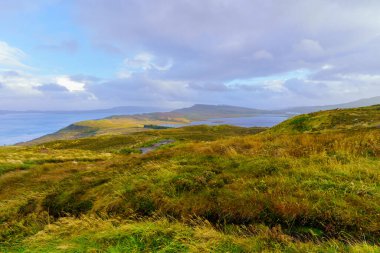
[310, 184]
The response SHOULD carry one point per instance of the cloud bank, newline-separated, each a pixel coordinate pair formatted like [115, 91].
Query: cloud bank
[265, 54]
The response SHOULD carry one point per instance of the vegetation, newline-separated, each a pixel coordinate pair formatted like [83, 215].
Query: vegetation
[333, 120]
[117, 125]
[310, 184]
[155, 127]
[107, 126]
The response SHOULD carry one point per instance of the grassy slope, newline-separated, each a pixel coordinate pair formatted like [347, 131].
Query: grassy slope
[215, 189]
[108, 126]
[333, 120]
[135, 123]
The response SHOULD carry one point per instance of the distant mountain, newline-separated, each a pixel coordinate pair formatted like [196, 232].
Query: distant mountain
[354, 104]
[124, 124]
[201, 111]
[204, 111]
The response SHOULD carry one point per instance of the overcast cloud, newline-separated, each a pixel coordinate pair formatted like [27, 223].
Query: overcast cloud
[173, 53]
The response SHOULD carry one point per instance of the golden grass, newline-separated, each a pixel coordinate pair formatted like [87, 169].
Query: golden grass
[215, 189]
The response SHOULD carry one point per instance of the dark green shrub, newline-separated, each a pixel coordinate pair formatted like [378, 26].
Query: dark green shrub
[189, 183]
[127, 151]
[264, 166]
[139, 200]
[144, 205]
[29, 207]
[300, 123]
[59, 204]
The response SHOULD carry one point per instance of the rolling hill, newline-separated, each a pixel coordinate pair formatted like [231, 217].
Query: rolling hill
[333, 120]
[125, 124]
[202, 112]
[310, 184]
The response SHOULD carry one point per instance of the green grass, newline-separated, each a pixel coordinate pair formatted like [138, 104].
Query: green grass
[303, 188]
[333, 120]
[91, 234]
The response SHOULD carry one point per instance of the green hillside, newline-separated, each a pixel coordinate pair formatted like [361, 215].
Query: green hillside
[107, 126]
[127, 124]
[333, 120]
[310, 184]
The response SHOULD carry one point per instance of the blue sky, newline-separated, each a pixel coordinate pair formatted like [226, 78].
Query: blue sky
[87, 54]
[54, 44]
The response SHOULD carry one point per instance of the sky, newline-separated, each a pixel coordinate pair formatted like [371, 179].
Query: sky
[89, 54]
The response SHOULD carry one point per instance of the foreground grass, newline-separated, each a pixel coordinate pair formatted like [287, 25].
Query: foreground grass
[91, 234]
[215, 189]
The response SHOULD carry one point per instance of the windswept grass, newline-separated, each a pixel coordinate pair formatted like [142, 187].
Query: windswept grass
[215, 189]
[333, 120]
[89, 234]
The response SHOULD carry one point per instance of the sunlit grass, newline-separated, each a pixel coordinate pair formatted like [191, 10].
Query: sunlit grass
[214, 189]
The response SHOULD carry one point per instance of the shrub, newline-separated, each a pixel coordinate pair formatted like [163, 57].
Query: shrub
[60, 204]
[127, 151]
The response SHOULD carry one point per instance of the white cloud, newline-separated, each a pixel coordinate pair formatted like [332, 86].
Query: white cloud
[327, 67]
[20, 82]
[234, 52]
[140, 63]
[361, 78]
[11, 57]
[224, 40]
[71, 85]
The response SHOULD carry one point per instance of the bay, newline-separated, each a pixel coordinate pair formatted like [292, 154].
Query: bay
[20, 127]
[262, 120]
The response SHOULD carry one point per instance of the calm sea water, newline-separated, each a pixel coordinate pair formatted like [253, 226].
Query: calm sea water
[256, 121]
[19, 127]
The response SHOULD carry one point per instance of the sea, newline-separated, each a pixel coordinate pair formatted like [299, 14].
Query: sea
[21, 127]
[263, 120]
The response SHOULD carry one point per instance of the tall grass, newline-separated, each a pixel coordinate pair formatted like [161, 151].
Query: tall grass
[215, 189]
